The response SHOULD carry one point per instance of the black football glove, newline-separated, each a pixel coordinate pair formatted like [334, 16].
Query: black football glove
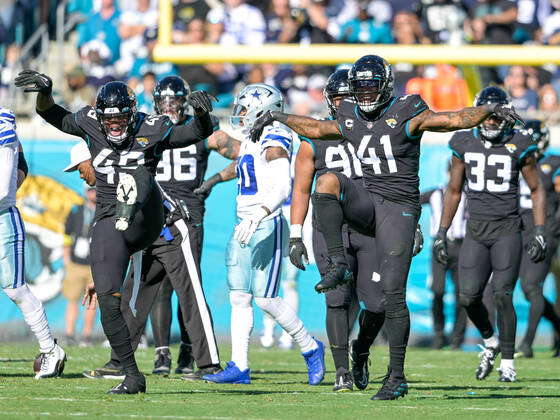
[418, 241]
[537, 247]
[33, 81]
[298, 253]
[439, 247]
[260, 123]
[201, 101]
[507, 113]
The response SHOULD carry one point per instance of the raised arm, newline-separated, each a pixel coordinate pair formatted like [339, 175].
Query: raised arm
[201, 126]
[465, 118]
[304, 126]
[224, 144]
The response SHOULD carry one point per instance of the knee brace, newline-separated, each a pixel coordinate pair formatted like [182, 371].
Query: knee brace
[240, 299]
[503, 299]
[466, 301]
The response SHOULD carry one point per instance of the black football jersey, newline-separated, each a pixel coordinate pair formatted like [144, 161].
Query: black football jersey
[144, 149]
[388, 152]
[492, 172]
[549, 168]
[335, 156]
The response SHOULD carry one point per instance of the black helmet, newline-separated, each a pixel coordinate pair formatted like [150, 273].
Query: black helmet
[115, 106]
[492, 95]
[170, 97]
[371, 82]
[539, 133]
[337, 85]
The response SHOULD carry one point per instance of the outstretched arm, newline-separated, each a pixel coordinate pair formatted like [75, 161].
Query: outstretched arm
[224, 144]
[304, 126]
[465, 118]
[201, 126]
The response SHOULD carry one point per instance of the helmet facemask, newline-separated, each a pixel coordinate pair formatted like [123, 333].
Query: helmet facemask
[252, 102]
[116, 126]
[171, 106]
[368, 94]
[492, 128]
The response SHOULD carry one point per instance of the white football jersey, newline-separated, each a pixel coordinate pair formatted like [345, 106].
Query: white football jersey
[254, 181]
[9, 147]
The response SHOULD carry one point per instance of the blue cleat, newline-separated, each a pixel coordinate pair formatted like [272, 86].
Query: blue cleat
[230, 375]
[315, 360]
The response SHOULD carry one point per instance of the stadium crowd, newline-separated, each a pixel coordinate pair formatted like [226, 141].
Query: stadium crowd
[115, 39]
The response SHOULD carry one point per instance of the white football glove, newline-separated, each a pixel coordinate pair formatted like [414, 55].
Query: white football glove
[248, 226]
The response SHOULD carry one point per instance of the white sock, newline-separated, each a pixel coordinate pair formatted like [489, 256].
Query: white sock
[491, 342]
[290, 294]
[268, 326]
[288, 320]
[241, 327]
[34, 315]
[507, 363]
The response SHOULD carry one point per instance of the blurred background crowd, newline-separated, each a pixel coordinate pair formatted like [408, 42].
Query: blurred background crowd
[114, 39]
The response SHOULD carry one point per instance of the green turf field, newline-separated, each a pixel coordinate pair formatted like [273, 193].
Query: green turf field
[441, 383]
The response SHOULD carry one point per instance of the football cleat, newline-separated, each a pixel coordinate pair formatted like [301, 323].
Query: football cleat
[51, 364]
[127, 192]
[507, 374]
[109, 371]
[360, 368]
[185, 361]
[131, 385]
[315, 360]
[343, 382]
[162, 362]
[556, 345]
[197, 375]
[335, 275]
[230, 375]
[487, 357]
[393, 387]
[524, 350]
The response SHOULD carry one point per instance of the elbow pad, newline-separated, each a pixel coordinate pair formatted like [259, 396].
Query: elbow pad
[279, 174]
[22, 163]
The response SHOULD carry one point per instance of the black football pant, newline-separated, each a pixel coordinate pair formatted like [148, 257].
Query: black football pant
[439, 277]
[110, 256]
[179, 260]
[479, 259]
[343, 303]
[161, 316]
[394, 227]
[532, 276]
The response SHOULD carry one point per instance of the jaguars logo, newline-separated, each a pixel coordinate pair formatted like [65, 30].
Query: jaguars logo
[391, 122]
[142, 141]
[510, 147]
[546, 168]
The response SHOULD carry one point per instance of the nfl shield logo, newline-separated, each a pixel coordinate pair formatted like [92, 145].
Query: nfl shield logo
[369, 125]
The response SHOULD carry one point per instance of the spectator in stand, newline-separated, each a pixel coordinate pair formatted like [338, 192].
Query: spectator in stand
[551, 27]
[365, 29]
[548, 103]
[96, 57]
[281, 25]
[531, 15]
[493, 21]
[77, 93]
[144, 63]
[442, 20]
[76, 248]
[522, 98]
[144, 94]
[132, 25]
[236, 23]
[312, 102]
[7, 69]
[381, 11]
[186, 11]
[103, 27]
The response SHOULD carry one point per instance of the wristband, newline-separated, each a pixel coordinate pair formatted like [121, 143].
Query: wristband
[295, 231]
[539, 230]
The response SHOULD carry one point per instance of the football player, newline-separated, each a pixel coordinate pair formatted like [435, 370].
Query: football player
[314, 158]
[126, 147]
[491, 157]
[386, 132]
[13, 170]
[259, 240]
[533, 274]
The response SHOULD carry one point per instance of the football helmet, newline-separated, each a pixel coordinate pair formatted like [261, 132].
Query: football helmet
[170, 98]
[253, 101]
[539, 133]
[492, 128]
[115, 107]
[336, 87]
[371, 82]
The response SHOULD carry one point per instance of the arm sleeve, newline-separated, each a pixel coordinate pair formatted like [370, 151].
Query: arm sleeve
[62, 119]
[198, 129]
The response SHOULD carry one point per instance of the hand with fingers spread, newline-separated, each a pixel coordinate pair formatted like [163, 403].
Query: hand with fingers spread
[507, 113]
[260, 123]
[201, 101]
[33, 81]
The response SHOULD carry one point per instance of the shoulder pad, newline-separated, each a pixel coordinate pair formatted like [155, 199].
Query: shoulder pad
[276, 135]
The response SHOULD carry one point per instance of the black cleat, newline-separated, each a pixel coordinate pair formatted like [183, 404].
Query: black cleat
[393, 388]
[197, 375]
[336, 275]
[109, 371]
[524, 350]
[162, 362]
[131, 385]
[344, 382]
[360, 369]
[185, 361]
[487, 357]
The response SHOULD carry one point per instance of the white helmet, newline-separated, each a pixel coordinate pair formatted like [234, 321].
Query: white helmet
[253, 101]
